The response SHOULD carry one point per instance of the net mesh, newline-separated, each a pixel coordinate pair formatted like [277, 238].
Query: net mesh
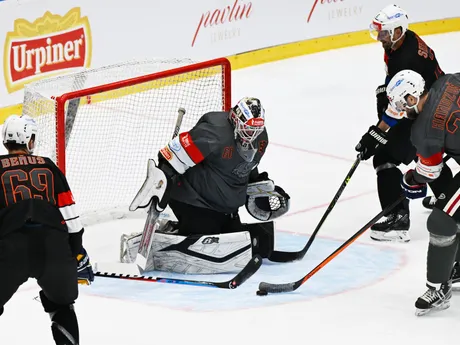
[111, 134]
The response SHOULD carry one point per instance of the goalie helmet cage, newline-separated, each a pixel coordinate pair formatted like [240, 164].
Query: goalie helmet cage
[101, 125]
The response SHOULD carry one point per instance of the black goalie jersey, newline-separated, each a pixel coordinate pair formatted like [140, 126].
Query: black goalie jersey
[34, 190]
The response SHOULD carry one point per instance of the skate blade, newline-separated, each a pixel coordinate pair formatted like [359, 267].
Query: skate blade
[443, 306]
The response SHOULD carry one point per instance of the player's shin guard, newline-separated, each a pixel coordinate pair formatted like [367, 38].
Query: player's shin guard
[442, 247]
[388, 185]
[64, 324]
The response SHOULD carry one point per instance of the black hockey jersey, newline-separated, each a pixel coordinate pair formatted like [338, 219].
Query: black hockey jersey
[436, 129]
[218, 177]
[34, 190]
[413, 54]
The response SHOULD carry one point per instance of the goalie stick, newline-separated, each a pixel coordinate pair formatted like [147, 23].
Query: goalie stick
[152, 215]
[289, 287]
[280, 256]
[251, 267]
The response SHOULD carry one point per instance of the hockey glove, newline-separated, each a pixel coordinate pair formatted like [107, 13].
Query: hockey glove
[370, 141]
[84, 268]
[268, 205]
[412, 188]
[382, 100]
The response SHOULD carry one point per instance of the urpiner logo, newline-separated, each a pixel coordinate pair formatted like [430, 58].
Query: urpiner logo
[49, 45]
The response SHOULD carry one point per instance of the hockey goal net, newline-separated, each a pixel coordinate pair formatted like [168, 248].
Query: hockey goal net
[101, 125]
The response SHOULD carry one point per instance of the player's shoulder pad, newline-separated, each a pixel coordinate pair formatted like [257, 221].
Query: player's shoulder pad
[215, 124]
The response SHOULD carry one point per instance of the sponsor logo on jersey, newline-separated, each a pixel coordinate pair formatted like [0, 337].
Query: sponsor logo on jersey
[218, 17]
[50, 45]
[166, 152]
[185, 140]
[175, 145]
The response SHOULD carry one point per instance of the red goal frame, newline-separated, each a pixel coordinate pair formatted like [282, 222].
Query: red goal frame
[61, 100]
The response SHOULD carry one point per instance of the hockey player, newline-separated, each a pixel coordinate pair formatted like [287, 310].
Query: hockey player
[209, 173]
[389, 140]
[40, 231]
[434, 132]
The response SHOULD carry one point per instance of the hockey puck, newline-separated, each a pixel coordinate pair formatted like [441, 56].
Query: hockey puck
[261, 293]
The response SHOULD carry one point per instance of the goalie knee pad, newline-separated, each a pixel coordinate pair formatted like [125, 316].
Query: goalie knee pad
[64, 324]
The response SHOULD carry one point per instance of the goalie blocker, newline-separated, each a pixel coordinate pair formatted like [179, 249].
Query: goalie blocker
[216, 253]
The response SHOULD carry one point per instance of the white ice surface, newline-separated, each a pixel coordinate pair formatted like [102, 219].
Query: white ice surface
[317, 108]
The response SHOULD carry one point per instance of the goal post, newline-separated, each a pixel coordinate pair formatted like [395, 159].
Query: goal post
[102, 125]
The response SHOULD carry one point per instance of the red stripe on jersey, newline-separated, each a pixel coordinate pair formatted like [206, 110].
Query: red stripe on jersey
[189, 146]
[433, 160]
[65, 199]
[452, 206]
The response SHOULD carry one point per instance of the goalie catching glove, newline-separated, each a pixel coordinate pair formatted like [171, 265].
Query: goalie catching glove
[266, 201]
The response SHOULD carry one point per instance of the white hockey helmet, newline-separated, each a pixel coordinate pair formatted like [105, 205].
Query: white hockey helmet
[403, 84]
[387, 20]
[248, 120]
[19, 130]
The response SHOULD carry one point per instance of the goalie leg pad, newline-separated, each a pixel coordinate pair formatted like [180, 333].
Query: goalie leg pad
[196, 254]
[129, 244]
[263, 238]
[202, 254]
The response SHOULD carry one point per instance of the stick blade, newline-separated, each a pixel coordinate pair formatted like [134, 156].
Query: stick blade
[277, 288]
[278, 256]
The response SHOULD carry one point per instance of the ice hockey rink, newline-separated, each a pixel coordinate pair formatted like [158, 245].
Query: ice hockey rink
[317, 108]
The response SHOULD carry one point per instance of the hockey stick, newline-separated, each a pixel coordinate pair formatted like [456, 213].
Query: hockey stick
[280, 256]
[152, 215]
[288, 287]
[251, 267]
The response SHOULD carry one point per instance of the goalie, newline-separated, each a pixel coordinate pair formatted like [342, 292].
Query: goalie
[205, 175]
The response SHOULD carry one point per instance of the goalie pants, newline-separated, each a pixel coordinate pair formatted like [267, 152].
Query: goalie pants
[196, 220]
[42, 253]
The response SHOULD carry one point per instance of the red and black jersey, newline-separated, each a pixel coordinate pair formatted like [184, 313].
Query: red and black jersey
[416, 55]
[34, 190]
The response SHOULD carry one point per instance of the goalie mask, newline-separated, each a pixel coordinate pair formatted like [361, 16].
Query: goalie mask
[248, 121]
